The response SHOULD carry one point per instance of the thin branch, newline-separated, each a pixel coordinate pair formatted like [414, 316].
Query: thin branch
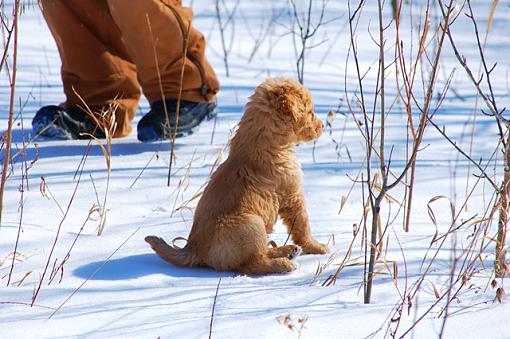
[178, 107]
[93, 273]
[214, 308]
[7, 154]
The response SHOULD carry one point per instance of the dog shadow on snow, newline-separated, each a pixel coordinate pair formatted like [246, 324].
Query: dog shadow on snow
[140, 265]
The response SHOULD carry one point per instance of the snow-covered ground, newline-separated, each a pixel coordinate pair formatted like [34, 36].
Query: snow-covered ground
[119, 288]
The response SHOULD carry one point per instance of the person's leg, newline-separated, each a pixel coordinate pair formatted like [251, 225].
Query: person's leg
[95, 64]
[154, 33]
[155, 30]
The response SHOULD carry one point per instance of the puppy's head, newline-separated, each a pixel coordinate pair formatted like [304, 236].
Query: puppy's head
[291, 109]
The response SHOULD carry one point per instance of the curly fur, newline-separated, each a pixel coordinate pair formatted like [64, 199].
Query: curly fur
[260, 180]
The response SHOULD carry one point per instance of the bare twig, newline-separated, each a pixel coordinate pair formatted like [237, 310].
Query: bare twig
[93, 274]
[8, 140]
[41, 279]
[214, 308]
[178, 107]
[105, 120]
[60, 267]
[21, 209]
[305, 31]
[500, 265]
[222, 27]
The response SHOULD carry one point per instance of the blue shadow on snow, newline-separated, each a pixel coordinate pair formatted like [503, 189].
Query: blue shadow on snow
[140, 265]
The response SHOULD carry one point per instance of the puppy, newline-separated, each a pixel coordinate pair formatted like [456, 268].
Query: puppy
[259, 181]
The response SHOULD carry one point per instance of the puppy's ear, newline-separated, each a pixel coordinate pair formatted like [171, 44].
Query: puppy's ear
[286, 99]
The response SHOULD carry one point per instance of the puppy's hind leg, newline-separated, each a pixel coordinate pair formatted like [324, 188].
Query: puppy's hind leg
[241, 245]
[266, 265]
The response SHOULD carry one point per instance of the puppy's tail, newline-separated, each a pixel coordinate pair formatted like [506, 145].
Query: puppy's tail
[178, 256]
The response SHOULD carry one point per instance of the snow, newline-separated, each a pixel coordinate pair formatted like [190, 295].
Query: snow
[136, 294]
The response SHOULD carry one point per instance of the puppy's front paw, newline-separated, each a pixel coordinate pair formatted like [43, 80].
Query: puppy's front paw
[295, 266]
[294, 252]
[314, 247]
[284, 265]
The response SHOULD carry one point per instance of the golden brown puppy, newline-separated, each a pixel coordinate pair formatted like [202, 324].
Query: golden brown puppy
[259, 181]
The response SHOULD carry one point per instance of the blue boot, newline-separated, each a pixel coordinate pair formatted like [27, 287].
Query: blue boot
[153, 126]
[56, 122]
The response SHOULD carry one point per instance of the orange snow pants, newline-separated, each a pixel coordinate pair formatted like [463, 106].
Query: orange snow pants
[112, 50]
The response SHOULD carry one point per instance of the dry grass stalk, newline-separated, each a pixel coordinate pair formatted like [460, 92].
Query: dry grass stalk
[409, 82]
[9, 257]
[500, 265]
[198, 193]
[25, 167]
[466, 262]
[21, 209]
[178, 107]
[287, 321]
[12, 32]
[369, 130]
[19, 282]
[46, 192]
[500, 294]
[92, 275]
[104, 120]
[59, 228]
[177, 110]
[60, 267]
[339, 145]
[158, 73]
[25, 304]
[214, 308]
[154, 155]
[501, 268]
[492, 12]
[183, 182]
